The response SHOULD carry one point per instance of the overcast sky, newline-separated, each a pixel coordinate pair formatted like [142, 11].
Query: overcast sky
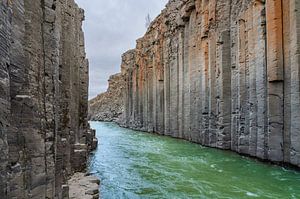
[111, 27]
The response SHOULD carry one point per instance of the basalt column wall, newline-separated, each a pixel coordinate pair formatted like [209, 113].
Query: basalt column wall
[44, 132]
[220, 73]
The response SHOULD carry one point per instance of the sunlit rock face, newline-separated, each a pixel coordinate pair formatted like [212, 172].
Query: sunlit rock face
[44, 132]
[224, 74]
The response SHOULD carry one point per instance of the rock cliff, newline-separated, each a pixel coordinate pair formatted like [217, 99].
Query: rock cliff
[221, 73]
[109, 106]
[44, 132]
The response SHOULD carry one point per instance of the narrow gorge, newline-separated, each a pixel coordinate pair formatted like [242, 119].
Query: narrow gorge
[44, 131]
[220, 73]
[217, 74]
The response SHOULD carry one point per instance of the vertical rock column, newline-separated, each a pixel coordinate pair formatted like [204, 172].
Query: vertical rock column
[287, 79]
[159, 89]
[252, 105]
[150, 94]
[173, 69]
[186, 85]
[259, 25]
[242, 91]
[30, 128]
[51, 37]
[195, 80]
[127, 67]
[203, 98]
[295, 81]
[5, 27]
[275, 65]
[223, 75]
[180, 82]
[212, 91]
[167, 98]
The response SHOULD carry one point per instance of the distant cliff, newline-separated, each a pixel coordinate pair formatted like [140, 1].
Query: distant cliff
[44, 132]
[224, 74]
[108, 106]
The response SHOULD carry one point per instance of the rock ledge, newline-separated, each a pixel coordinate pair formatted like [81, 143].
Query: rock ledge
[83, 187]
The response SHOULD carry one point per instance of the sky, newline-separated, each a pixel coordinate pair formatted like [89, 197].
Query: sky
[111, 27]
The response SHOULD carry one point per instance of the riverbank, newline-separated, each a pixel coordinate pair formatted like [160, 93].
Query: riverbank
[83, 186]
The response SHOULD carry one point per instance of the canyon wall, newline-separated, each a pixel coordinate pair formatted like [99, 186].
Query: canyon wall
[221, 73]
[44, 132]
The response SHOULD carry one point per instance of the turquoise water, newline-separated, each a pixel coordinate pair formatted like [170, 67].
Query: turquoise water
[134, 164]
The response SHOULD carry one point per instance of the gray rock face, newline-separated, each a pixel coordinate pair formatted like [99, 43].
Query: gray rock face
[220, 73]
[109, 106]
[44, 132]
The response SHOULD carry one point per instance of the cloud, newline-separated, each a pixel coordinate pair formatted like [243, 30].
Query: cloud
[111, 28]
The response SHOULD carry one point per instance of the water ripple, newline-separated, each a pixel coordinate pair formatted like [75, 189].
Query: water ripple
[136, 165]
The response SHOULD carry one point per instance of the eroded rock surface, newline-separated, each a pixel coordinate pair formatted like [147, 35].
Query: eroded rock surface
[109, 106]
[83, 187]
[221, 73]
[44, 132]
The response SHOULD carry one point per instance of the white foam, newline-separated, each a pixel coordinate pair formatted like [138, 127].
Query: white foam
[251, 194]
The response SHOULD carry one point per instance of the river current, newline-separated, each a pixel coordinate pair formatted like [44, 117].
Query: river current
[133, 165]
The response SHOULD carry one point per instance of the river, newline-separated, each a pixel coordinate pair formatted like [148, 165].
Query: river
[133, 164]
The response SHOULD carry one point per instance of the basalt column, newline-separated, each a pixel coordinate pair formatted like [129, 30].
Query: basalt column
[275, 66]
[44, 133]
[5, 24]
[293, 138]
